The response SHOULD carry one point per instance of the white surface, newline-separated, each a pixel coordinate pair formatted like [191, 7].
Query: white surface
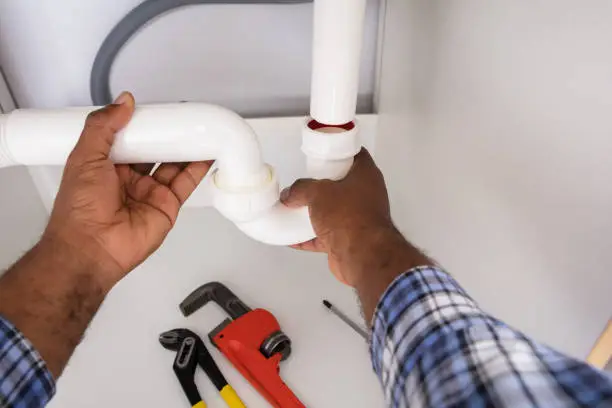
[495, 138]
[253, 59]
[337, 43]
[120, 362]
[280, 140]
[22, 215]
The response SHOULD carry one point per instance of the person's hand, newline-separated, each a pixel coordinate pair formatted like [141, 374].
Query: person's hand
[113, 214]
[347, 215]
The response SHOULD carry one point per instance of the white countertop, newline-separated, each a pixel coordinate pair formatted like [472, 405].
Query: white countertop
[120, 363]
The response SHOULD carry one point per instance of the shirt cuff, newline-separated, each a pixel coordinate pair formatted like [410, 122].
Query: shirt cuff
[25, 380]
[410, 309]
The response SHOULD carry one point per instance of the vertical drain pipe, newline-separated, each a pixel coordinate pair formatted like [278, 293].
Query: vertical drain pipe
[330, 135]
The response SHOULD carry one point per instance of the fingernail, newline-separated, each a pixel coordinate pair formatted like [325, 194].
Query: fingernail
[284, 195]
[121, 99]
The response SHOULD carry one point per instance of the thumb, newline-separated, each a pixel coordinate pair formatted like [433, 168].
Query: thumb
[100, 128]
[300, 194]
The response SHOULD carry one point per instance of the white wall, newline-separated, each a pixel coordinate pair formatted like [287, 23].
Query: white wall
[496, 137]
[22, 215]
[252, 58]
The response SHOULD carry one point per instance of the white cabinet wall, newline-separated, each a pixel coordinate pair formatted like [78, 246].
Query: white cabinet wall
[254, 59]
[495, 137]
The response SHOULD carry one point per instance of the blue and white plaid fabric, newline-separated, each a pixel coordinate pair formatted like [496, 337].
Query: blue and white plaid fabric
[432, 346]
[25, 381]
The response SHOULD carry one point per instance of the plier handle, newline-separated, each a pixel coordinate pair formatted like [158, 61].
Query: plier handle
[191, 352]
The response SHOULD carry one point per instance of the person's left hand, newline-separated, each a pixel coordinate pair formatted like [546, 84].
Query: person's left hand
[113, 214]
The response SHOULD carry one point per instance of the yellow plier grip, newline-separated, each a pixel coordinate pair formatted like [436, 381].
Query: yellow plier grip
[230, 397]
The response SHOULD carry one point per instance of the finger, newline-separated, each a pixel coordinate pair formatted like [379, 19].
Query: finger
[168, 172]
[363, 162]
[144, 169]
[364, 157]
[127, 175]
[100, 128]
[124, 172]
[300, 194]
[187, 180]
[156, 196]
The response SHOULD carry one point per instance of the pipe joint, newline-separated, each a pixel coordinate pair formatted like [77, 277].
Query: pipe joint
[330, 150]
[245, 204]
[330, 142]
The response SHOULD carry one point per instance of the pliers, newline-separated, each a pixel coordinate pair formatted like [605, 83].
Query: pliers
[191, 351]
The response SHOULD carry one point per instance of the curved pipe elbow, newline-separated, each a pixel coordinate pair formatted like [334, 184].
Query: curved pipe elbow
[245, 189]
[192, 132]
[258, 213]
[280, 226]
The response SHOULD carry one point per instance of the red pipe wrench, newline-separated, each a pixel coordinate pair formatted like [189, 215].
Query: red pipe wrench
[252, 340]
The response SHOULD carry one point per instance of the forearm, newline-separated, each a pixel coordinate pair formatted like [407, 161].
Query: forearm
[374, 258]
[433, 345]
[51, 295]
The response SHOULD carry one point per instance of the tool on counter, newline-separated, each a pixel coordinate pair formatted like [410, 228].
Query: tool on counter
[252, 340]
[346, 319]
[191, 351]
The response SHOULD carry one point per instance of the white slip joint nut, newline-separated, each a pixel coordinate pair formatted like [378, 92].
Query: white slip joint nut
[330, 143]
[245, 204]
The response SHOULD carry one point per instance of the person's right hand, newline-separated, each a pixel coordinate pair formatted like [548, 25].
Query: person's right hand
[348, 216]
[113, 214]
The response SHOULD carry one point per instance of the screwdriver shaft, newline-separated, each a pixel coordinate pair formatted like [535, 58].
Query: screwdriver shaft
[346, 319]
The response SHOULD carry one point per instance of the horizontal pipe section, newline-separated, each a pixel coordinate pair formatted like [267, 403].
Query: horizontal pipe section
[156, 133]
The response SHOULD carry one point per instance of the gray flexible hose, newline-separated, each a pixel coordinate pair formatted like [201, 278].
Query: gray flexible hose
[130, 24]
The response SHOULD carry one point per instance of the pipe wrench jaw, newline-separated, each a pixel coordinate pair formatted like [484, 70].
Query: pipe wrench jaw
[216, 332]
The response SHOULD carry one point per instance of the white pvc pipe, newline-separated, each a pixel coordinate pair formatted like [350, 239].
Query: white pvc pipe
[156, 133]
[330, 150]
[338, 38]
[280, 226]
[245, 189]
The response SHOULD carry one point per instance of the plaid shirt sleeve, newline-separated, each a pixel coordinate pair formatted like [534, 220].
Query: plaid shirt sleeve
[433, 346]
[25, 381]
